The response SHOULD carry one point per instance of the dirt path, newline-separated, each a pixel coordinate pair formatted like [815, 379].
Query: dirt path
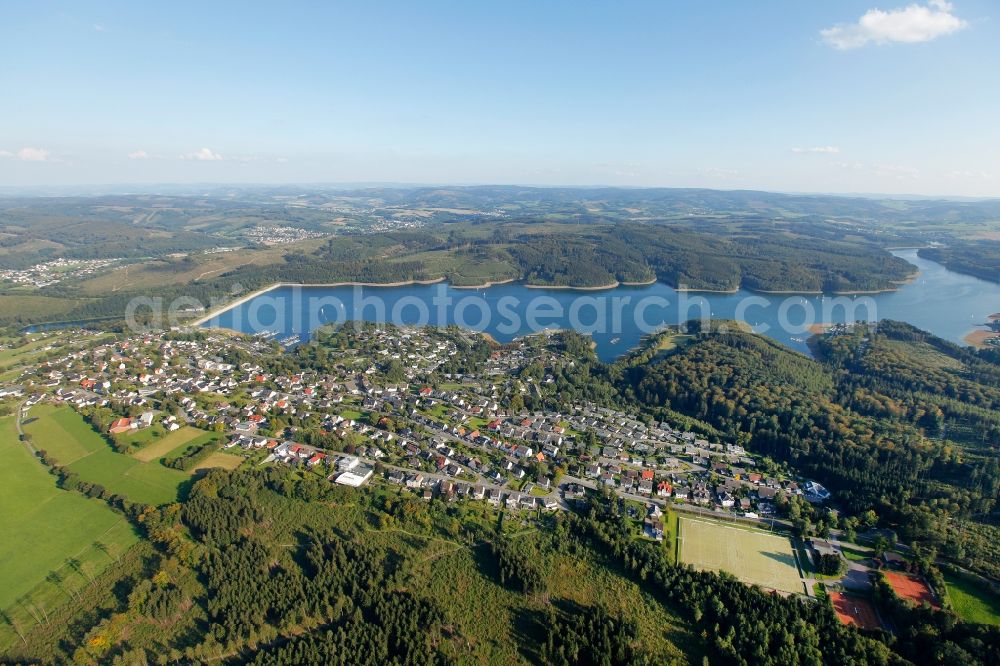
[21, 411]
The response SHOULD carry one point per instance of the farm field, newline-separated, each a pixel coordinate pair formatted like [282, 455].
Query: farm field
[182, 437]
[47, 528]
[752, 556]
[142, 437]
[219, 459]
[972, 602]
[202, 437]
[855, 610]
[157, 273]
[13, 355]
[68, 439]
[911, 587]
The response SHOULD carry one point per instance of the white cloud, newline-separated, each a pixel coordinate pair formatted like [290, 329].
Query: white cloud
[718, 172]
[894, 171]
[29, 154]
[282, 160]
[826, 150]
[959, 174]
[851, 166]
[138, 155]
[897, 171]
[203, 155]
[907, 25]
[98, 27]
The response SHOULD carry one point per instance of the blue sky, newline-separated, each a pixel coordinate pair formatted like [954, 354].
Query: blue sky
[788, 96]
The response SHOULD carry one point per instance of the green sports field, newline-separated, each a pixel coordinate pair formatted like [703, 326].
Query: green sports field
[48, 529]
[751, 555]
[68, 439]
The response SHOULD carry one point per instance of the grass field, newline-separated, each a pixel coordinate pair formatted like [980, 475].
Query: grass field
[750, 555]
[11, 356]
[193, 444]
[67, 438]
[857, 554]
[352, 414]
[183, 437]
[972, 602]
[142, 436]
[219, 459]
[45, 527]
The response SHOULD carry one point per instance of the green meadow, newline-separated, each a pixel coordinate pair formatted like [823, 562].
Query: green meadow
[972, 602]
[68, 439]
[174, 444]
[55, 540]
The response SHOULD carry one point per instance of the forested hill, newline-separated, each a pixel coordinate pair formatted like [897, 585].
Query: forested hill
[980, 258]
[890, 419]
[165, 245]
[596, 255]
[753, 256]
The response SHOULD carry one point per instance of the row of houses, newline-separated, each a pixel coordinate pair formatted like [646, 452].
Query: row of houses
[448, 489]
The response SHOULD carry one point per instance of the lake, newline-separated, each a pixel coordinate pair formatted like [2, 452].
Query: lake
[938, 300]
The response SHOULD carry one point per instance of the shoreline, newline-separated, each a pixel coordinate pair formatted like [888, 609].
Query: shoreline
[640, 284]
[705, 290]
[979, 337]
[790, 292]
[485, 285]
[600, 287]
[491, 283]
[899, 284]
[277, 285]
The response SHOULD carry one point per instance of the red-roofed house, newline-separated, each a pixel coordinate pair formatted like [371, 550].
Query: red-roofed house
[120, 426]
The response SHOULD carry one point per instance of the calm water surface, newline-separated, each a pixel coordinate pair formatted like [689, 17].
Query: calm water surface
[941, 301]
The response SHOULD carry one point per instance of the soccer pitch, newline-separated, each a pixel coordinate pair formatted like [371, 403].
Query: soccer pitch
[753, 557]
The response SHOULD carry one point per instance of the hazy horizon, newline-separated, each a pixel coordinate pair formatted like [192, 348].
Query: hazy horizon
[195, 188]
